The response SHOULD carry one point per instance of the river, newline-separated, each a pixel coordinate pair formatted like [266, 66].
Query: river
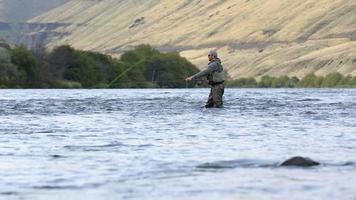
[149, 144]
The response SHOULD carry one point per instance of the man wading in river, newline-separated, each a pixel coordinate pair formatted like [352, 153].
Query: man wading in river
[214, 75]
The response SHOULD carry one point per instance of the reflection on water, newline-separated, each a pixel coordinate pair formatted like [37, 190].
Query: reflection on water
[161, 144]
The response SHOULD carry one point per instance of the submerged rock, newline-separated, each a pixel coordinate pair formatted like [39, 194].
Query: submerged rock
[230, 164]
[299, 162]
[246, 163]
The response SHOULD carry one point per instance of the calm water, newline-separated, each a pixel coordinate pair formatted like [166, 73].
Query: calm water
[148, 144]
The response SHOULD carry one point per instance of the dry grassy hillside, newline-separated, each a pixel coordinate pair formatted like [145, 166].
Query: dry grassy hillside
[253, 37]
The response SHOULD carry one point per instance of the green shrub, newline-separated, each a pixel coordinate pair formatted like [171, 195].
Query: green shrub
[332, 80]
[266, 82]
[169, 70]
[242, 83]
[353, 82]
[8, 71]
[63, 84]
[26, 63]
[310, 81]
[145, 67]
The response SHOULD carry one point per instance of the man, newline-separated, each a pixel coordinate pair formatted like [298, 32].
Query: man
[214, 75]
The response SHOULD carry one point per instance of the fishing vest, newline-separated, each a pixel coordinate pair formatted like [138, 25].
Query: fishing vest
[218, 75]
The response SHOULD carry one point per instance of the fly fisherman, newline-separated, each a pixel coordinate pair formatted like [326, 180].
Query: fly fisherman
[214, 75]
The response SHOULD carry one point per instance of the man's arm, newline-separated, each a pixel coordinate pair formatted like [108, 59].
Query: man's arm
[211, 67]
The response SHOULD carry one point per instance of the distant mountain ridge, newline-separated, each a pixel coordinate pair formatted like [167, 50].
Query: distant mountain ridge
[253, 37]
[19, 11]
[14, 15]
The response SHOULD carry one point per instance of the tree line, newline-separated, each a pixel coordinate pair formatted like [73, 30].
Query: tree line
[142, 67]
[66, 67]
[332, 80]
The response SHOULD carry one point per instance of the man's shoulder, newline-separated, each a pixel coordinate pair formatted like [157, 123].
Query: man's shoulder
[214, 64]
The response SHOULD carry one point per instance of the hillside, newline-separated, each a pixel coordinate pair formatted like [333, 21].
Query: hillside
[22, 10]
[253, 37]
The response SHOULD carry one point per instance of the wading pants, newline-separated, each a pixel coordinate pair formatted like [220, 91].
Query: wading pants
[215, 99]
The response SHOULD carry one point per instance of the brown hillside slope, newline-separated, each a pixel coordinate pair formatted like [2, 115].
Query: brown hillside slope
[253, 37]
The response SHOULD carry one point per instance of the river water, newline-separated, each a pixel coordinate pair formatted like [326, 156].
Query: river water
[151, 144]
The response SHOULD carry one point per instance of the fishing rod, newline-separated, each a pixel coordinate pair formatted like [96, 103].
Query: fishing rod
[137, 64]
[124, 72]
[174, 81]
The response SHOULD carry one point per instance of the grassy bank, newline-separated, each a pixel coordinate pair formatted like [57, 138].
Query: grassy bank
[66, 67]
[333, 80]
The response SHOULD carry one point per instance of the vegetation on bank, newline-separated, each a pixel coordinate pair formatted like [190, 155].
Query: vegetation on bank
[65, 67]
[333, 80]
[142, 67]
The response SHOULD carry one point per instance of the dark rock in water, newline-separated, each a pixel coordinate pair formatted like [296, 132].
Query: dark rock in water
[310, 113]
[300, 162]
[56, 156]
[246, 163]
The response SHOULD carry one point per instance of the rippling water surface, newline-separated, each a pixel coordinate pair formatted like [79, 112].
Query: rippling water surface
[149, 144]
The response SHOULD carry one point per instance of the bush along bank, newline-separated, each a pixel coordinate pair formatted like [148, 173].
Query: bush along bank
[66, 67]
[332, 80]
